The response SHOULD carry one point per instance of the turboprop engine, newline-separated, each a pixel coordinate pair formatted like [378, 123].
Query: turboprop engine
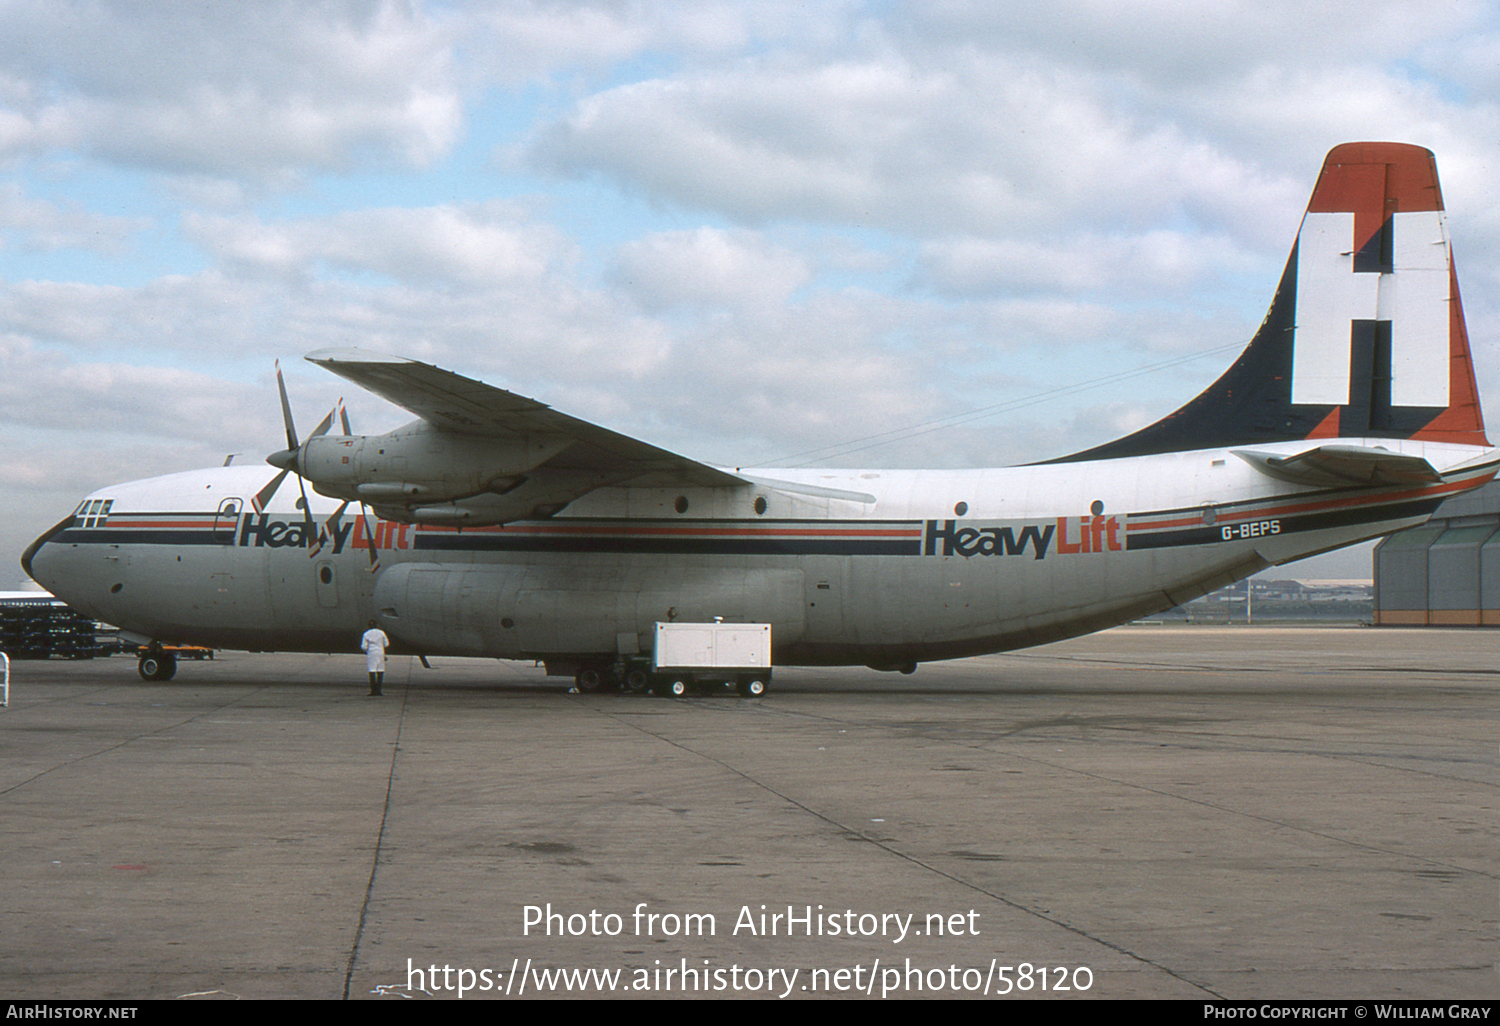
[416, 465]
[421, 473]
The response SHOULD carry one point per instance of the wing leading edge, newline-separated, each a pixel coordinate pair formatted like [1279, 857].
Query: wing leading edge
[453, 403]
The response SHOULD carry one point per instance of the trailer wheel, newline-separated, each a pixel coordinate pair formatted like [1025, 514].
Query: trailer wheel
[636, 681]
[675, 689]
[589, 679]
[752, 688]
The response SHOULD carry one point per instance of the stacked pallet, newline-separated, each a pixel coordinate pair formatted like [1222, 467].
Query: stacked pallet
[42, 627]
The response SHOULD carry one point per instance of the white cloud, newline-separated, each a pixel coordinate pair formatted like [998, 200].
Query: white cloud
[475, 244]
[36, 224]
[41, 388]
[270, 89]
[1173, 43]
[983, 145]
[710, 267]
[526, 40]
[1157, 264]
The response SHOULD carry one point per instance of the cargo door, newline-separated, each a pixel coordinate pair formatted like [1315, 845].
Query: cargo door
[221, 557]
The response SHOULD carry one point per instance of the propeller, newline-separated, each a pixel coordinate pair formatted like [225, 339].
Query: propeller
[331, 525]
[286, 459]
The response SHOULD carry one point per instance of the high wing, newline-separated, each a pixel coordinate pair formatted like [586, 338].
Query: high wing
[453, 403]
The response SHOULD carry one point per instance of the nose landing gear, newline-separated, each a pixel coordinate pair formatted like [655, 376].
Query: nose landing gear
[157, 665]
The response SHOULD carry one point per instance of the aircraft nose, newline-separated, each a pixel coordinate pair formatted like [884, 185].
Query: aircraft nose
[28, 558]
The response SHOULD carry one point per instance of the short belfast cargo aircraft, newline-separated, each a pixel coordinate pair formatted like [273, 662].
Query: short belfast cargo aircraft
[495, 526]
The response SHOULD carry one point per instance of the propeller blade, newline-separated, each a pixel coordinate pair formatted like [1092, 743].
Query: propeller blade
[344, 417]
[330, 527]
[307, 517]
[286, 410]
[364, 523]
[324, 424]
[264, 495]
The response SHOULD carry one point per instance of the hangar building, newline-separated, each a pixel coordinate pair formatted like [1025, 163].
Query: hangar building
[1446, 572]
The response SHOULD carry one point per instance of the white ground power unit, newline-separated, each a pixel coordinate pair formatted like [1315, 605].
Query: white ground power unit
[688, 655]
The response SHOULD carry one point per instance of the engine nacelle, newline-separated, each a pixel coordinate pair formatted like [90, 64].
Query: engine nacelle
[535, 496]
[419, 465]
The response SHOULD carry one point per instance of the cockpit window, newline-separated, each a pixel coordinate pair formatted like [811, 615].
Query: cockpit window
[93, 512]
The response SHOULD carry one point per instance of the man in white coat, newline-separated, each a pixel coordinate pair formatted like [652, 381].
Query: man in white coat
[374, 643]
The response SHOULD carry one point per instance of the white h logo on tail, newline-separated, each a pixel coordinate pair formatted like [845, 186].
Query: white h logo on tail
[1411, 295]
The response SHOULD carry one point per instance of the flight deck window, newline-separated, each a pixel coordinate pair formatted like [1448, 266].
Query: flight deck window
[94, 513]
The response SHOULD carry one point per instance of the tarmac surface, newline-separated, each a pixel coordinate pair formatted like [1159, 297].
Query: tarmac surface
[1151, 812]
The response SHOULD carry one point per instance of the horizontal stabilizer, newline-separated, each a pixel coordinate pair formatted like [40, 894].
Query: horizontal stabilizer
[1349, 466]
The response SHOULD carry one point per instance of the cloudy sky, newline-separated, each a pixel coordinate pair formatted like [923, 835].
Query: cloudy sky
[928, 233]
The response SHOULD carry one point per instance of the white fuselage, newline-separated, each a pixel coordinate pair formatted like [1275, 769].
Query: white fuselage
[878, 567]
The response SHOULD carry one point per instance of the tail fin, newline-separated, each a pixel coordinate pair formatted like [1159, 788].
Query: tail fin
[1365, 337]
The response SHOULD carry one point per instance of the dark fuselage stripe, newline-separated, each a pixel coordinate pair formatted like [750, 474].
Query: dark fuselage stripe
[846, 539]
[690, 544]
[1203, 534]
